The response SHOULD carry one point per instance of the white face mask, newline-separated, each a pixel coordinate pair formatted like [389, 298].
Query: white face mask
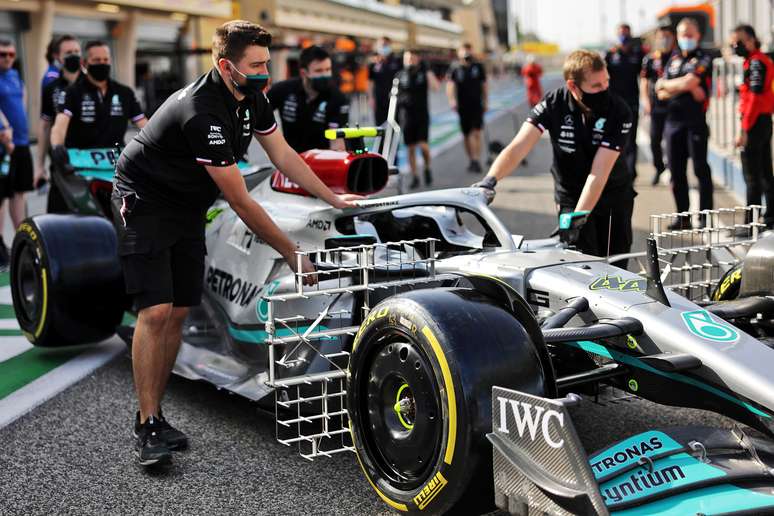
[687, 44]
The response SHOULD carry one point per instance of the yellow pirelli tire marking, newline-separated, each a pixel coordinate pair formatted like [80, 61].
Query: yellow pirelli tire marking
[44, 281]
[430, 491]
[387, 500]
[450, 395]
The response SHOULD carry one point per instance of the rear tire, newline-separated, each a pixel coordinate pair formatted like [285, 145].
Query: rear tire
[729, 285]
[419, 395]
[66, 280]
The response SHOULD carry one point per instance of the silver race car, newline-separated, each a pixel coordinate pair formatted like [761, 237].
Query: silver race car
[426, 303]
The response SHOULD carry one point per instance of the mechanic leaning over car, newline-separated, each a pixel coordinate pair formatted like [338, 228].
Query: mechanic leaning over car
[589, 128]
[686, 87]
[94, 112]
[756, 95]
[166, 179]
[310, 104]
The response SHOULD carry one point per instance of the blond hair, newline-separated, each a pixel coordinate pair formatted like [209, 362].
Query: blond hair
[581, 62]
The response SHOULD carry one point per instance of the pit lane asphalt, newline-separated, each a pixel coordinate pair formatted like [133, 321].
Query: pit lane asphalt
[73, 454]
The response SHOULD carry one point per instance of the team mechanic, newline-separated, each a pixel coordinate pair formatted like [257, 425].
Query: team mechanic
[166, 178]
[310, 104]
[94, 112]
[589, 127]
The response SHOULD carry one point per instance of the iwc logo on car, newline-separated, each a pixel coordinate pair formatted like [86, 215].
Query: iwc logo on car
[701, 324]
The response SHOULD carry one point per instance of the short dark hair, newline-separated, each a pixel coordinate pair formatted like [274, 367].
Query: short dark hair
[233, 37]
[667, 28]
[750, 31]
[61, 39]
[625, 26]
[466, 46]
[6, 42]
[94, 43]
[310, 54]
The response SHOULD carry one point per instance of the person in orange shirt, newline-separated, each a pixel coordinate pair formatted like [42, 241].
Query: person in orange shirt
[532, 73]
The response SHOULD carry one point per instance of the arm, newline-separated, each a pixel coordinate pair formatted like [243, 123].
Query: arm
[44, 140]
[757, 80]
[6, 133]
[515, 152]
[140, 123]
[668, 88]
[601, 167]
[231, 183]
[433, 81]
[451, 93]
[291, 164]
[644, 97]
[59, 131]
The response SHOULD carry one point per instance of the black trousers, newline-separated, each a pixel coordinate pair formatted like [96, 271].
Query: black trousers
[757, 167]
[657, 121]
[630, 153]
[613, 220]
[684, 141]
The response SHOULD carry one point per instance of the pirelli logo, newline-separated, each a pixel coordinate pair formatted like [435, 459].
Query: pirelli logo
[430, 491]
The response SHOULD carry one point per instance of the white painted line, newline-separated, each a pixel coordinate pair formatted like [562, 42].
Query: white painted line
[12, 346]
[9, 324]
[5, 296]
[49, 385]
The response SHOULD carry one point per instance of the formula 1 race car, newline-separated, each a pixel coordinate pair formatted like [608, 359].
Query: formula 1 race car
[443, 350]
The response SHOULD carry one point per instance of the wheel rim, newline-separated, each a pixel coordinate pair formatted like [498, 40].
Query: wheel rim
[27, 284]
[404, 427]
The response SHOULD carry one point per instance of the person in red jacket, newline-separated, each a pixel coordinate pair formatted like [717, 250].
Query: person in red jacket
[532, 73]
[756, 104]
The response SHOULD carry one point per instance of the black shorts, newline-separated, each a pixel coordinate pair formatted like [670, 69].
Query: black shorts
[162, 259]
[20, 174]
[471, 119]
[415, 127]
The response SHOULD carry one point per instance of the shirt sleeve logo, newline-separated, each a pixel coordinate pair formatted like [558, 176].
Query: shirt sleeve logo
[215, 137]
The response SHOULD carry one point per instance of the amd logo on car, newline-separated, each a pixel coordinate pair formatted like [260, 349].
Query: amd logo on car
[234, 290]
[531, 418]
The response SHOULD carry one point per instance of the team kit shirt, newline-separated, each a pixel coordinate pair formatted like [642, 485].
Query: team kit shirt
[756, 93]
[303, 121]
[653, 68]
[575, 138]
[202, 124]
[412, 92]
[683, 108]
[98, 120]
[624, 69]
[52, 95]
[12, 105]
[469, 80]
[382, 74]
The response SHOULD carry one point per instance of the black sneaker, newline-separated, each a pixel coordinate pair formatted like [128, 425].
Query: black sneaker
[174, 438]
[150, 448]
[682, 222]
[656, 177]
[474, 167]
[414, 182]
[428, 177]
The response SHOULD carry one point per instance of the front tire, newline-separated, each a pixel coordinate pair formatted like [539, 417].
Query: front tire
[419, 395]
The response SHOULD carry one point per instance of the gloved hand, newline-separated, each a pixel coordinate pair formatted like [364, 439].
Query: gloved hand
[61, 160]
[488, 184]
[570, 226]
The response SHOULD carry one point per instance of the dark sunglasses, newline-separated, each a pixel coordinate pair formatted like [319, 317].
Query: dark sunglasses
[7, 54]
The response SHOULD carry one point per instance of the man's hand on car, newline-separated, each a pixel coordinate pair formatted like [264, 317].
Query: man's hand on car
[61, 159]
[342, 201]
[570, 226]
[306, 267]
[488, 184]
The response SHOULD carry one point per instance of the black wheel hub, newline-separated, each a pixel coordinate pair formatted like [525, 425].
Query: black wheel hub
[28, 283]
[405, 425]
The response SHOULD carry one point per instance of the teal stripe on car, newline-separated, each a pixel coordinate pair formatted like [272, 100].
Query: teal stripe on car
[598, 349]
[260, 336]
[722, 499]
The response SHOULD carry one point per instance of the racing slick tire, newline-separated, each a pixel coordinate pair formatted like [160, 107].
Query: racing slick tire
[66, 280]
[729, 285]
[419, 395]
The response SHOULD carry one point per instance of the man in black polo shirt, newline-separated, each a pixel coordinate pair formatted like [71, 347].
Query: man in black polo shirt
[310, 104]
[69, 51]
[380, 76]
[589, 128]
[95, 111]
[624, 63]
[469, 95]
[166, 179]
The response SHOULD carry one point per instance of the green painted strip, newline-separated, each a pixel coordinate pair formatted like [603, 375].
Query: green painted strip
[10, 333]
[6, 312]
[18, 371]
[598, 349]
[4, 279]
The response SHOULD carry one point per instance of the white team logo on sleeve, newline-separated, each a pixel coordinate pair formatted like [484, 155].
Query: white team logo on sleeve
[215, 136]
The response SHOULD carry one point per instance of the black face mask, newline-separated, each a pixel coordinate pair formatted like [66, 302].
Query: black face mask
[321, 84]
[254, 83]
[99, 72]
[596, 102]
[72, 62]
[740, 49]
[468, 58]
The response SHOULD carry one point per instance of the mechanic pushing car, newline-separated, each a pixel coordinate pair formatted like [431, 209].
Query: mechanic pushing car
[310, 104]
[589, 128]
[166, 178]
[686, 87]
[94, 112]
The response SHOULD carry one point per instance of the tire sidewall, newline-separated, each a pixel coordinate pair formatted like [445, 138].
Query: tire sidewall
[28, 235]
[443, 483]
